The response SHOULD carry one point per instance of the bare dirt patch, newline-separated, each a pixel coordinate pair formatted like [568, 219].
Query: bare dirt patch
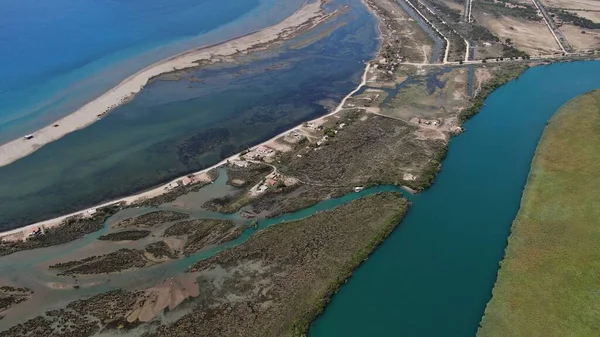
[482, 75]
[533, 38]
[589, 40]
[573, 4]
[455, 6]
[593, 16]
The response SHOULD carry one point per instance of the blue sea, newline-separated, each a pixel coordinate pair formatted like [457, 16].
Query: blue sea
[57, 55]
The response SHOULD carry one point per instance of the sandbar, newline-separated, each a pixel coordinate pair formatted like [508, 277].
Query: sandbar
[309, 15]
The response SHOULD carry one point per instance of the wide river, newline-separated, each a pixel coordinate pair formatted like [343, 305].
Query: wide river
[434, 275]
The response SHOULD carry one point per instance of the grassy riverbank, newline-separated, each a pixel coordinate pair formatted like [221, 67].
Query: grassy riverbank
[548, 283]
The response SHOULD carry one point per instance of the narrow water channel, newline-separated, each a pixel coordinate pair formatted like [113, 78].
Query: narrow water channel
[434, 275]
[30, 268]
[438, 44]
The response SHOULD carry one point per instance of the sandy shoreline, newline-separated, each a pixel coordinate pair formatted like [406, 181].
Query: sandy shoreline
[162, 189]
[124, 91]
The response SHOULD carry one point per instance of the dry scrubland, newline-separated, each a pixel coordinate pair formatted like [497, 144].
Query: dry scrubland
[573, 4]
[548, 284]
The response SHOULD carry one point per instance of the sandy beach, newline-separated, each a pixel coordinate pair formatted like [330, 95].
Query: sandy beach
[19, 233]
[306, 17]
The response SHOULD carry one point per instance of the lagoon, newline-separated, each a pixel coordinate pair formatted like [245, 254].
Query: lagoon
[59, 55]
[173, 128]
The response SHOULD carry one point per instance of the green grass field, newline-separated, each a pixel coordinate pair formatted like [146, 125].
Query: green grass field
[549, 282]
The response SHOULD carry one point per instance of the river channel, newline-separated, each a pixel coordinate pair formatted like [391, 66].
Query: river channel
[434, 275]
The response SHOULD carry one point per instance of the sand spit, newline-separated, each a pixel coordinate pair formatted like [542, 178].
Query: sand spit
[306, 17]
[19, 233]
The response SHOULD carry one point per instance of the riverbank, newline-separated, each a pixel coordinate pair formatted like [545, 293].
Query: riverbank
[550, 267]
[305, 18]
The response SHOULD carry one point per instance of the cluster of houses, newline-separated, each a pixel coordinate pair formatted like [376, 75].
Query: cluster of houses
[313, 126]
[323, 140]
[294, 137]
[259, 153]
[271, 181]
[181, 182]
[433, 122]
[448, 124]
[510, 5]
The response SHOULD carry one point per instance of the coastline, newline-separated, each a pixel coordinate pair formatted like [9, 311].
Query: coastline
[163, 189]
[309, 14]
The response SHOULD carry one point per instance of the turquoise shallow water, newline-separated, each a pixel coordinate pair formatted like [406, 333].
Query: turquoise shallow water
[434, 275]
[58, 55]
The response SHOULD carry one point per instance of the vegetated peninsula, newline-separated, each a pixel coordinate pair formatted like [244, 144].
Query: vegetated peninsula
[548, 281]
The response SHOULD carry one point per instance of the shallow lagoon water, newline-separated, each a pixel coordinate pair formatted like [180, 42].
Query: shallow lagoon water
[61, 54]
[149, 140]
[30, 268]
